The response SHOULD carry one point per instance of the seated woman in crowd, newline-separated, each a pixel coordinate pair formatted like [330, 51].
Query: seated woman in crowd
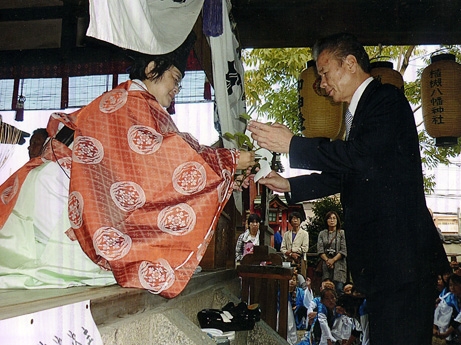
[249, 238]
[296, 299]
[326, 316]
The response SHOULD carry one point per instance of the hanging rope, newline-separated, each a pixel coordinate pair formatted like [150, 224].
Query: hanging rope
[9, 137]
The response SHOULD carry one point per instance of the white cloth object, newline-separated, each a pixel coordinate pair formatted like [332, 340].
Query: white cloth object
[71, 323]
[325, 329]
[442, 314]
[147, 26]
[365, 329]
[342, 327]
[292, 336]
[308, 298]
[228, 85]
[248, 238]
[35, 251]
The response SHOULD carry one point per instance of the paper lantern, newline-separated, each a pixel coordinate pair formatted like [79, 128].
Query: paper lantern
[385, 73]
[321, 116]
[440, 98]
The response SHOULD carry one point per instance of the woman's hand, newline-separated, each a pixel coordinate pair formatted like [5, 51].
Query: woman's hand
[294, 256]
[243, 180]
[246, 160]
[330, 263]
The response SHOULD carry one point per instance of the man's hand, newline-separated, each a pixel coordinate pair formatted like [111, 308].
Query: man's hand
[276, 182]
[275, 137]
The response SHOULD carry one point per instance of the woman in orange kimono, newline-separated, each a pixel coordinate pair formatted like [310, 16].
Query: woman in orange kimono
[144, 198]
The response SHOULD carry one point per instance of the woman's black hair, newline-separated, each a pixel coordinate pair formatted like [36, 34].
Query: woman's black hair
[324, 292]
[254, 218]
[141, 61]
[293, 215]
[455, 279]
[177, 58]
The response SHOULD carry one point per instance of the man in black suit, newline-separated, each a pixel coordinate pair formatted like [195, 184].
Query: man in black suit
[393, 246]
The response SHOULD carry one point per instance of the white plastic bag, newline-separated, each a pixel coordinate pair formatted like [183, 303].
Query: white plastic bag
[442, 313]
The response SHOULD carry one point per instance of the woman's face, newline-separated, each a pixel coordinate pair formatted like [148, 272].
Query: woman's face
[347, 289]
[455, 288]
[295, 222]
[292, 283]
[440, 283]
[329, 300]
[166, 87]
[254, 227]
[332, 221]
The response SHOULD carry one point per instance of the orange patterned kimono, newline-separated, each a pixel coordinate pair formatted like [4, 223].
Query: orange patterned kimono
[144, 199]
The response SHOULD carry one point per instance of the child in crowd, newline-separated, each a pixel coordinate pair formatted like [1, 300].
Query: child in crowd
[296, 299]
[447, 322]
[348, 288]
[326, 317]
[348, 326]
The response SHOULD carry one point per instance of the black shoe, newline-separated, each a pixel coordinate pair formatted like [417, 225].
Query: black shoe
[244, 311]
[223, 320]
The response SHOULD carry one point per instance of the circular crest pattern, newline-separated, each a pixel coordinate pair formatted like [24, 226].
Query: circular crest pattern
[110, 243]
[113, 100]
[65, 163]
[87, 150]
[189, 178]
[156, 276]
[144, 140]
[75, 206]
[10, 191]
[127, 195]
[177, 220]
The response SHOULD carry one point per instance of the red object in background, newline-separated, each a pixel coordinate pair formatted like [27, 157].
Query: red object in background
[207, 91]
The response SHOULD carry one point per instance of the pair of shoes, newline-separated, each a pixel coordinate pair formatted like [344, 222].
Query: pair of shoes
[223, 320]
[244, 311]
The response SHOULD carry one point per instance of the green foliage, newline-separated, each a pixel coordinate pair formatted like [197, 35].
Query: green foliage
[271, 83]
[242, 140]
[316, 223]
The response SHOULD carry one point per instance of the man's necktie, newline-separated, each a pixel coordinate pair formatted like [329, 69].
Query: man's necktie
[349, 118]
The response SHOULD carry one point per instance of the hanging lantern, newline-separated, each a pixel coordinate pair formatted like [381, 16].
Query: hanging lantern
[320, 115]
[385, 73]
[440, 87]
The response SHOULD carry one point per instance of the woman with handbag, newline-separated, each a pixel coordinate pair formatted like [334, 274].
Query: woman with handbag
[331, 246]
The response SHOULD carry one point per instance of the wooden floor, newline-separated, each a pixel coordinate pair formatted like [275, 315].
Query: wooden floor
[19, 302]
[106, 302]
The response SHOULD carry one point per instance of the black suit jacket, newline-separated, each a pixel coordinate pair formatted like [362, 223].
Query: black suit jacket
[390, 236]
